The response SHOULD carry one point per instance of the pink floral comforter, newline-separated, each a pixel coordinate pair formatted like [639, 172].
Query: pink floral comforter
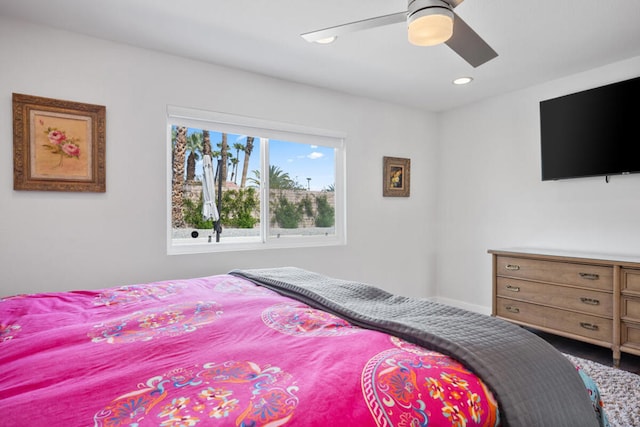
[217, 350]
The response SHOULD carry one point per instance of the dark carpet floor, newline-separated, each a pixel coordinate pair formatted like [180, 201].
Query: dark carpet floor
[602, 355]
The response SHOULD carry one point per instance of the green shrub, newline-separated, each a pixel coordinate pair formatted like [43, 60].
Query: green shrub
[307, 206]
[287, 214]
[193, 214]
[238, 207]
[326, 212]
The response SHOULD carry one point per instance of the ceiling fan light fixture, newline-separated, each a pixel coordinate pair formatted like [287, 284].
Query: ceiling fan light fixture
[430, 22]
[327, 40]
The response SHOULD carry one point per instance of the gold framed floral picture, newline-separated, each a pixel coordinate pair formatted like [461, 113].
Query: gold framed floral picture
[396, 177]
[58, 145]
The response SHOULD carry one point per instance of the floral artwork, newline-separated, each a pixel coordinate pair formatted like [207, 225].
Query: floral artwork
[395, 177]
[58, 145]
[61, 145]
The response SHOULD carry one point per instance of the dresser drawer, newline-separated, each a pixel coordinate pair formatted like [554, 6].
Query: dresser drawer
[630, 309]
[631, 335]
[630, 280]
[584, 300]
[590, 276]
[591, 327]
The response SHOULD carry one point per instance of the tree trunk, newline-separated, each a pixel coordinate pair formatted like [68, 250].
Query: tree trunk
[224, 149]
[206, 143]
[245, 166]
[177, 189]
[191, 167]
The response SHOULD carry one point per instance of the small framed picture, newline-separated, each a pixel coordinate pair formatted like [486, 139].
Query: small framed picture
[58, 145]
[396, 177]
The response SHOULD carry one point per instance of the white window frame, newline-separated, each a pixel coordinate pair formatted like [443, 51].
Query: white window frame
[234, 124]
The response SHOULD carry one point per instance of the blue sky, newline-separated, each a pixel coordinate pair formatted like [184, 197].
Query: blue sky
[300, 161]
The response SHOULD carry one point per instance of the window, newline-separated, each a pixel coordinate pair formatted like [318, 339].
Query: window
[238, 183]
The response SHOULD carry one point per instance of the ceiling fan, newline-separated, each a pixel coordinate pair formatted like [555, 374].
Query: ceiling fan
[429, 22]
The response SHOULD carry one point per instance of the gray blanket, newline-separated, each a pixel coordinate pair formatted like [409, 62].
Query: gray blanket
[535, 385]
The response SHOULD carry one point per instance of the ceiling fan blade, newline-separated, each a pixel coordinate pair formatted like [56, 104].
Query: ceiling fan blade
[454, 3]
[365, 24]
[468, 44]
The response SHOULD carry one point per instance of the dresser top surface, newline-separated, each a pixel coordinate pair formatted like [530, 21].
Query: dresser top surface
[621, 259]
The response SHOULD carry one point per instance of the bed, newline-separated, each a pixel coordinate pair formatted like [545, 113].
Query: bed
[271, 347]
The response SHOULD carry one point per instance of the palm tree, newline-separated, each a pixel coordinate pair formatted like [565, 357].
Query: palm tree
[216, 155]
[206, 143]
[230, 160]
[248, 148]
[179, 151]
[234, 167]
[254, 180]
[237, 146]
[224, 154]
[280, 180]
[194, 146]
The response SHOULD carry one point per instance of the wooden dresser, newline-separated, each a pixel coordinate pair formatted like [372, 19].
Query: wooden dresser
[587, 297]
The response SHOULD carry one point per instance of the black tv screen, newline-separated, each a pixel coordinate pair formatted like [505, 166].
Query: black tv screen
[595, 132]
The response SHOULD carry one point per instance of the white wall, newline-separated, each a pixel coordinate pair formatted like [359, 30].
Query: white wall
[53, 241]
[490, 194]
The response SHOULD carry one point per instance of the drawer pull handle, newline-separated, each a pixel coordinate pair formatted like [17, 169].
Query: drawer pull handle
[512, 267]
[513, 288]
[590, 301]
[589, 326]
[590, 276]
[512, 309]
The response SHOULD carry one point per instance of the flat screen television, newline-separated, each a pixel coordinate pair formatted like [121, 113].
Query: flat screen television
[595, 132]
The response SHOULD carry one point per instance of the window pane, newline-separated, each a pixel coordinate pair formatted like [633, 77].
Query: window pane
[301, 190]
[234, 193]
[274, 184]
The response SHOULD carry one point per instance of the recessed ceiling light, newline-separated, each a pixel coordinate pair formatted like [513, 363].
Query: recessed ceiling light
[462, 80]
[327, 40]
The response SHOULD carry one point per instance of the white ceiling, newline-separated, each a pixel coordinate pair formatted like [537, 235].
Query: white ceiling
[536, 40]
